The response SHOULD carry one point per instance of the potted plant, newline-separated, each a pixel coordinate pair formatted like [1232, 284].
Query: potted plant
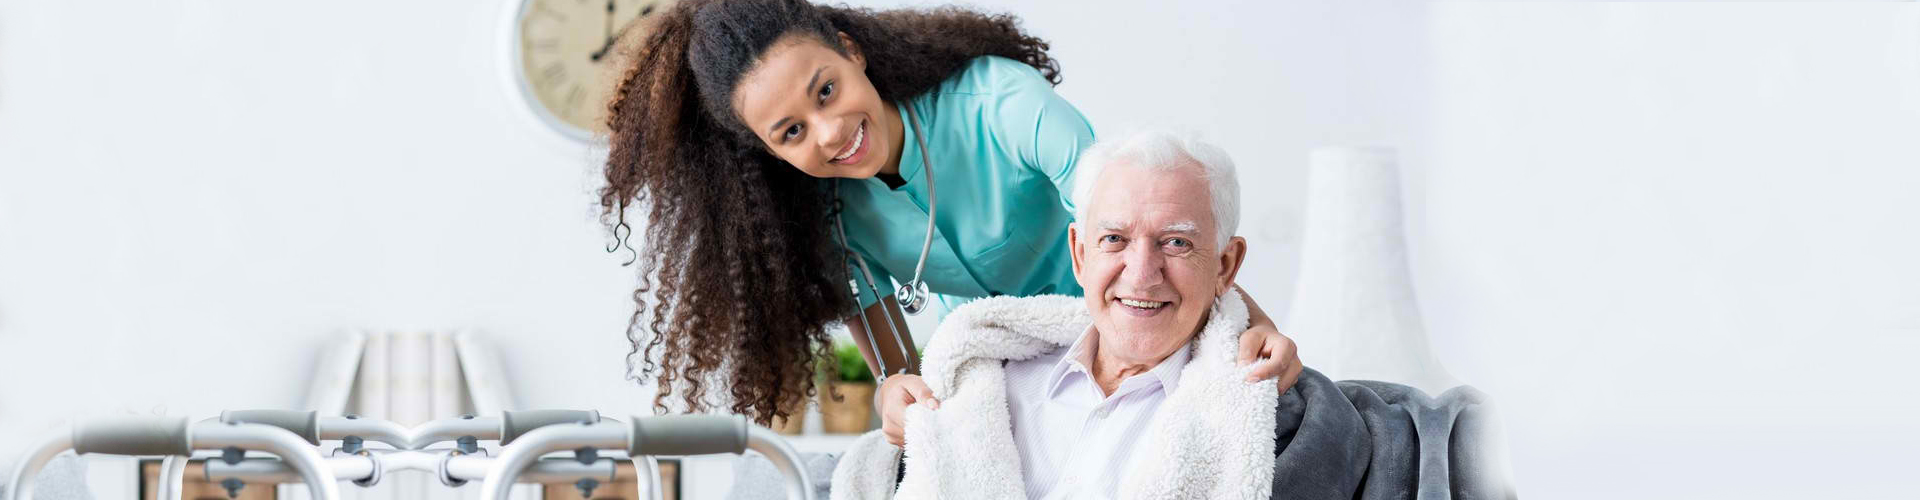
[847, 375]
[795, 423]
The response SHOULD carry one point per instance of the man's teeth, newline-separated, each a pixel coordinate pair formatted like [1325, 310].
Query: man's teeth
[1142, 303]
[858, 135]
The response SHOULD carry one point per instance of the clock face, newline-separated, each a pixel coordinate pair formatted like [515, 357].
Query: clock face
[571, 57]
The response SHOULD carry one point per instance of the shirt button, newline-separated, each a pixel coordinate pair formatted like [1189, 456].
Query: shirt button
[1103, 412]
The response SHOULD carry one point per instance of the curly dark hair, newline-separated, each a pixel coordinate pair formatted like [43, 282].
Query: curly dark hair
[739, 258]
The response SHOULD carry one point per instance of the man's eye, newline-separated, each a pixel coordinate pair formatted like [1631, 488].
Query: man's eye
[826, 91]
[792, 132]
[1181, 243]
[1109, 240]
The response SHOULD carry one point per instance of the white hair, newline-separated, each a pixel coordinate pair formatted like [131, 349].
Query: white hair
[1164, 151]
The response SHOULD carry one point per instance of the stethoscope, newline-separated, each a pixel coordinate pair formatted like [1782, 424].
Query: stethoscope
[913, 295]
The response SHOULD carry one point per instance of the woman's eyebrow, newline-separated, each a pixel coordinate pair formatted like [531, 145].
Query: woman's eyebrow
[809, 88]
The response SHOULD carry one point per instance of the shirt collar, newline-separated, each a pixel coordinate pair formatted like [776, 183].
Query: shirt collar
[1079, 359]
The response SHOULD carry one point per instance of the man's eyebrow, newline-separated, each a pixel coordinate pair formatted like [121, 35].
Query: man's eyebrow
[1111, 225]
[1180, 227]
[810, 81]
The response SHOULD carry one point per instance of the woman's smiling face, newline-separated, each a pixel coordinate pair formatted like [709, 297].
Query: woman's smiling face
[815, 108]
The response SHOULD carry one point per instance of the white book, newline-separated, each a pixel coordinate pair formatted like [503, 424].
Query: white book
[486, 382]
[335, 374]
[447, 396]
[407, 398]
[371, 388]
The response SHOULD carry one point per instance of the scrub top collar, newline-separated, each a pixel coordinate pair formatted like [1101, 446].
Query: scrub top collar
[911, 165]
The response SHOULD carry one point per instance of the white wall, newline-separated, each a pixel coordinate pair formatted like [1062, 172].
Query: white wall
[1678, 242]
[1670, 239]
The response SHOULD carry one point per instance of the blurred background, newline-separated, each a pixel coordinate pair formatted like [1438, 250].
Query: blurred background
[1676, 242]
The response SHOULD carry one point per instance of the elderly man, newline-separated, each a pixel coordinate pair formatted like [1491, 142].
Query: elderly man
[1133, 390]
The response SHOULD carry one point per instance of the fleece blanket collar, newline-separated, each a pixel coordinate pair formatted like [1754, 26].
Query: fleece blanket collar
[1211, 437]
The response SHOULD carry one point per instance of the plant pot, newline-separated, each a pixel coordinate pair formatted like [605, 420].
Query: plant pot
[793, 425]
[852, 413]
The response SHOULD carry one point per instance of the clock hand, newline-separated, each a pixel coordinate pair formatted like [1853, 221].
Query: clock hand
[598, 54]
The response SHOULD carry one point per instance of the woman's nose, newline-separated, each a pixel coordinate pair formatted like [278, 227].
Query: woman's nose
[832, 132]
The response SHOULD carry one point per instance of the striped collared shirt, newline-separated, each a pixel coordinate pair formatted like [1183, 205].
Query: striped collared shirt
[1074, 441]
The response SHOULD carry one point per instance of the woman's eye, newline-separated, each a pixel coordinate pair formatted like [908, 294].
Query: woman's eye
[792, 132]
[826, 91]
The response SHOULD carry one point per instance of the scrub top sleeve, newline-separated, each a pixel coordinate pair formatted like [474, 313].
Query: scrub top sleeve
[881, 280]
[1046, 131]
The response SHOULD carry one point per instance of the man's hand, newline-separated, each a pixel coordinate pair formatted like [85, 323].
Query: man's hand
[902, 390]
[1282, 358]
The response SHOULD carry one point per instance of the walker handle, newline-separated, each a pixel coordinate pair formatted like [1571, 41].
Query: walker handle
[515, 423]
[301, 423]
[687, 435]
[132, 435]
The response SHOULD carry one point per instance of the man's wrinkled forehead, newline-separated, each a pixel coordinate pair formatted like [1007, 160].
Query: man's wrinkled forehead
[1121, 225]
[1123, 186]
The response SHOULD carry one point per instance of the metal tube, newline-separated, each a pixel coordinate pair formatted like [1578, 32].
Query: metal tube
[173, 477]
[370, 429]
[784, 458]
[468, 467]
[447, 429]
[276, 471]
[422, 461]
[649, 482]
[546, 470]
[505, 470]
[291, 448]
[24, 472]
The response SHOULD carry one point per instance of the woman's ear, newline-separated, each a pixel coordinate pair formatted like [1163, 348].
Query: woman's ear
[853, 50]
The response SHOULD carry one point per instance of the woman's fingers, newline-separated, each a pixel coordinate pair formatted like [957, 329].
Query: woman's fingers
[895, 395]
[1292, 375]
[921, 393]
[1282, 358]
[894, 399]
[1250, 344]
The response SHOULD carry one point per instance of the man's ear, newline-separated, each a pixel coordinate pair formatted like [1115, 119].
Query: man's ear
[853, 50]
[1230, 259]
[1073, 246]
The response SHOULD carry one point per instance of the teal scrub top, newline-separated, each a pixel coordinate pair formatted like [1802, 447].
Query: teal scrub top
[1002, 146]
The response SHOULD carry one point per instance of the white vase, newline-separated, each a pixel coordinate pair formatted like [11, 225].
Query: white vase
[1354, 291]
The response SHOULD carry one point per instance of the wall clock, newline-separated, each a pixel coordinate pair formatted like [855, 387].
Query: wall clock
[565, 57]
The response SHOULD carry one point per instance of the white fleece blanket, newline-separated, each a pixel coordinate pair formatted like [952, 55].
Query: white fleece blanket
[1211, 438]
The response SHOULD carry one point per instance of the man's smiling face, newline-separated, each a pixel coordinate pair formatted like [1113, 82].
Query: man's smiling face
[1149, 259]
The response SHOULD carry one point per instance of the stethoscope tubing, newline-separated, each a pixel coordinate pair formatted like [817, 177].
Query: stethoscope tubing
[910, 296]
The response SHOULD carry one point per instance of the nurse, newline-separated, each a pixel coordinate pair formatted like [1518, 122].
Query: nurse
[746, 126]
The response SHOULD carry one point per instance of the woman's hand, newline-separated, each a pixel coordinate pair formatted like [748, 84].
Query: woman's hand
[895, 395]
[1282, 358]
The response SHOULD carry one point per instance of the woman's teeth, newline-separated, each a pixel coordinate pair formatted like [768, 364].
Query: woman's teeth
[1142, 303]
[858, 135]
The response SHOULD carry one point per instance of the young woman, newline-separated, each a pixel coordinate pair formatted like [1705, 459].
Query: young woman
[753, 130]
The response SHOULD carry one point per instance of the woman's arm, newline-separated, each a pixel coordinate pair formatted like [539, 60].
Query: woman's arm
[1263, 339]
[882, 335]
[898, 391]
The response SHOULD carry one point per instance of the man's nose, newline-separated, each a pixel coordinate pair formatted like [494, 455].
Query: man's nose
[1145, 267]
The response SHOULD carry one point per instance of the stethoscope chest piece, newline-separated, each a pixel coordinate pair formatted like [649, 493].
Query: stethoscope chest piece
[912, 297]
